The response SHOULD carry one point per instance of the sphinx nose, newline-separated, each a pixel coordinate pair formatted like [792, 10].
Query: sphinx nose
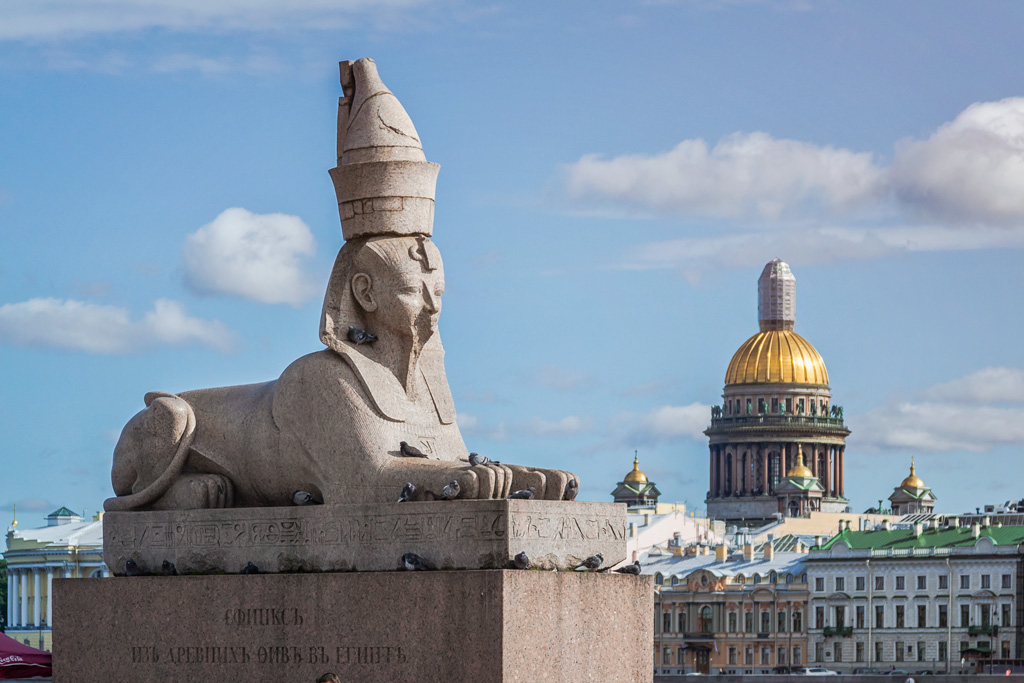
[433, 301]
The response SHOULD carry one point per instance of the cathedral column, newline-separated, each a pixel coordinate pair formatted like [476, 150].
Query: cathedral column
[711, 472]
[23, 594]
[37, 603]
[12, 594]
[842, 470]
[764, 469]
[49, 597]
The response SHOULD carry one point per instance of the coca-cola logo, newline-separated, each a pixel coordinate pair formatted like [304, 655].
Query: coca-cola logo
[11, 658]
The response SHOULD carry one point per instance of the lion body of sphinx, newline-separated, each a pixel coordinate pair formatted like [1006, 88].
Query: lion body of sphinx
[317, 428]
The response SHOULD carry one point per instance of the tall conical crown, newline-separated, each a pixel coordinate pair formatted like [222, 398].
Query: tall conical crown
[776, 297]
[384, 184]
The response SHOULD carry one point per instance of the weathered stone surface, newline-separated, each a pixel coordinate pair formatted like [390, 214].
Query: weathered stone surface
[480, 626]
[472, 534]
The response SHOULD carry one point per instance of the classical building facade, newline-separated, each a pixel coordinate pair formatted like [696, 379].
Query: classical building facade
[911, 496]
[738, 612]
[776, 402]
[66, 547]
[635, 490]
[920, 597]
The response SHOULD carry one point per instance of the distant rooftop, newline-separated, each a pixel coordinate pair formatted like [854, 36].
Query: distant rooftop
[947, 537]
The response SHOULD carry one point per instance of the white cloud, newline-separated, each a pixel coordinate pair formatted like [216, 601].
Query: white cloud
[567, 426]
[984, 386]
[971, 169]
[216, 66]
[33, 19]
[743, 175]
[252, 256]
[673, 423]
[78, 326]
[956, 415]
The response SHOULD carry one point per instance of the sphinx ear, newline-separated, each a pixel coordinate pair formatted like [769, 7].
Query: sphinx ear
[362, 292]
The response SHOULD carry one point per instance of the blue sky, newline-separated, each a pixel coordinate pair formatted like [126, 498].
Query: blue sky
[614, 176]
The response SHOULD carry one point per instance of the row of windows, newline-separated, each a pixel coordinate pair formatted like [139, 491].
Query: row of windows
[737, 406]
[706, 622]
[764, 655]
[755, 579]
[901, 582]
[902, 652]
[984, 616]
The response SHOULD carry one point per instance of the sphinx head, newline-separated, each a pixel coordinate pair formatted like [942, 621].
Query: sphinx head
[390, 286]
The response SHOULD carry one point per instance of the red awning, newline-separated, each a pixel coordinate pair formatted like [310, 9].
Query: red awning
[21, 661]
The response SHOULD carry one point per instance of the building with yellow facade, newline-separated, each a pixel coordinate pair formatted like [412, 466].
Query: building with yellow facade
[67, 547]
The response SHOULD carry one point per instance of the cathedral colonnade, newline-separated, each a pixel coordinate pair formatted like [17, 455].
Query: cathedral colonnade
[755, 469]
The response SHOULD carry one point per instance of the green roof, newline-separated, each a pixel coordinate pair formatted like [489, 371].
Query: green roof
[63, 512]
[930, 538]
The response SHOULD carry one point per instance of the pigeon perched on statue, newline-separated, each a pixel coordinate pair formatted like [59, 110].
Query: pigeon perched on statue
[132, 568]
[358, 336]
[521, 561]
[168, 568]
[415, 563]
[524, 494]
[571, 489]
[475, 459]
[632, 569]
[451, 490]
[250, 568]
[410, 451]
[408, 491]
[304, 498]
[592, 562]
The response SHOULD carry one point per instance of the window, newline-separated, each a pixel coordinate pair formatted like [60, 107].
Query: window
[666, 622]
[1006, 616]
[920, 650]
[922, 616]
[837, 651]
[748, 656]
[899, 616]
[798, 624]
[965, 615]
[878, 651]
[732, 623]
[819, 584]
[900, 583]
[682, 622]
[803, 578]
[922, 583]
[839, 613]
[986, 614]
[748, 623]
[675, 580]
[766, 621]
[782, 624]
[666, 657]
[965, 580]
[942, 650]
[705, 619]
[986, 581]
[766, 656]
[944, 582]
[757, 579]
[1006, 581]
[775, 405]
[964, 645]
[859, 617]
[819, 617]
[781, 658]
[858, 652]
[859, 583]
[789, 578]
[943, 616]
[732, 656]
[772, 577]
[840, 583]
[1004, 650]
[819, 652]
[879, 616]
[796, 656]
[899, 651]
[879, 583]
[658, 579]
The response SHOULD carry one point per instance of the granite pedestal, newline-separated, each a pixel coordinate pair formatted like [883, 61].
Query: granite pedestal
[454, 626]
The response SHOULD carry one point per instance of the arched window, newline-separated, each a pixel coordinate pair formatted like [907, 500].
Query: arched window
[757, 579]
[772, 577]
[803, 578]
[766, 621]
[705, 619]
[658, 578]
[675, 580]
[739, 579]
[789, 578]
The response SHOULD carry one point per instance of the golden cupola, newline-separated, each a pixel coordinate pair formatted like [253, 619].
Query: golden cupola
[636, 476]
[800, 469]
[912, 481]
[776, 354]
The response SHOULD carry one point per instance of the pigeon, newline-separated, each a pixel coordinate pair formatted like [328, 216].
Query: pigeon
[592, 562]
[408, 491]
[521, 561]
[414, 562]
[411, 451]
[304, 498]
[632, 569]
[524, 494]
[451, 490]
[132, 568]
[168, 568]
[358, 336]
[571, 489]
[250, 568]
[475, 459]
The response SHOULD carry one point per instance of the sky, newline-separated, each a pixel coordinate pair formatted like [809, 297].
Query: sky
[614, 176]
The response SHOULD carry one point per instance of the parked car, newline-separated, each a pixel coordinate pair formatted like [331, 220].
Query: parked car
[786, 669]
[896, 672]
[863, 671]
[814, 671]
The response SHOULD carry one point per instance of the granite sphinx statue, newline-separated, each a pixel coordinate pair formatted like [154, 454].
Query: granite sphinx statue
[333, 423]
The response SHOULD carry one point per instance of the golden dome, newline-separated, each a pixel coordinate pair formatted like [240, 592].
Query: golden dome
[776, 356]
[800, 469]
[912, 481]
[636, 476]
